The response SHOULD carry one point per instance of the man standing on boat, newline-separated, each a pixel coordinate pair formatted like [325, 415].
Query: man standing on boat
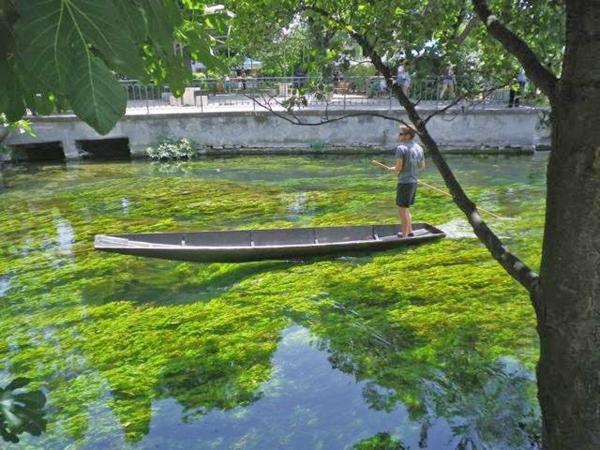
[409, 160]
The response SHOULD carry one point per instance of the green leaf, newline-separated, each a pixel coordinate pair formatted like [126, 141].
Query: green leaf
[100, 25]
[163, 17]
[11, 99]
[44, 32]
[133, 17]
[94, 93]
[6, 37]
[178, 74]
[199, 44]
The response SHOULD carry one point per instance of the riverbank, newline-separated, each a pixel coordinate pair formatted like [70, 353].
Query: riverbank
[458, 129]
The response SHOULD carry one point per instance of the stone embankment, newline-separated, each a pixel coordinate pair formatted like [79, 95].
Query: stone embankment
[497, 129]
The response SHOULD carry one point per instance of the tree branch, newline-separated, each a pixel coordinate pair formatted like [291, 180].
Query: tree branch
[294, 119]
[460, 39]
[540, 75]
[510, 262]
[485, 93]
[516, 268]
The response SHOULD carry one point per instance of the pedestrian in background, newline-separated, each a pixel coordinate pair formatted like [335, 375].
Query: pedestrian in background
[517, 90]
[448, 82]
[403, 78]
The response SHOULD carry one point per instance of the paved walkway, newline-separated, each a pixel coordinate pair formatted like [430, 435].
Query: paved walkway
[234, 103]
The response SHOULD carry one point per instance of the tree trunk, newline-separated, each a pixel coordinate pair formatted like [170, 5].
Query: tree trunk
[568, 301]
[569, 296]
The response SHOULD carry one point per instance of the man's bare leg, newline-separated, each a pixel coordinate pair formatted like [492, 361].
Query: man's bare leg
[406, 222]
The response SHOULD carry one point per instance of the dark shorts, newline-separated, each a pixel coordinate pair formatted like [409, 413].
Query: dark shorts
[405, 194]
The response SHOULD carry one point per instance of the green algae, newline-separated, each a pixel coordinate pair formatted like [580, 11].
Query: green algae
[123, 333]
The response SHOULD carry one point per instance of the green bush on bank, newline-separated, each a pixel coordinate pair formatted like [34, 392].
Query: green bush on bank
[171, 149]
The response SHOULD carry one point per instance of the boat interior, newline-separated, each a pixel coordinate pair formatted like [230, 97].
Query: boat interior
[276, 237]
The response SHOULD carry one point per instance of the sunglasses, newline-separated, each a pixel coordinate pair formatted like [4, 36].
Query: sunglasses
[404, 134]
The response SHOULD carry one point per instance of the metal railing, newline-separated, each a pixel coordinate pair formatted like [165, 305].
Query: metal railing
[347, 92]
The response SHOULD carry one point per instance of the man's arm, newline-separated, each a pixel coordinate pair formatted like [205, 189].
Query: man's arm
[398, 167]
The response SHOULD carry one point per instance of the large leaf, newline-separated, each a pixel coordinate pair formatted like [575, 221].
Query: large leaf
[46, 28]
[44, 32]
[56, 40]
[163, 17]
[100, 25]
[134, 18]
[94, 93]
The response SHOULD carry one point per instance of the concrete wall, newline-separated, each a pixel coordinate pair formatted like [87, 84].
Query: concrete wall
[471, 129]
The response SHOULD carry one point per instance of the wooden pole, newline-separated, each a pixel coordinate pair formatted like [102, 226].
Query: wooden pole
[377, 163]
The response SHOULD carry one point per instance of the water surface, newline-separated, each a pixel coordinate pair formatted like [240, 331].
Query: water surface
[424, 347]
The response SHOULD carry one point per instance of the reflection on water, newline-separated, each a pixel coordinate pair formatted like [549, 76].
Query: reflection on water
[457, 229]
[422, 347]
[4, 284]
[65, 236]
[125, 206]
[21, 410]
[306, 405]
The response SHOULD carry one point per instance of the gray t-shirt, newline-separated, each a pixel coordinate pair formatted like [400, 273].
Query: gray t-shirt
[411, 155]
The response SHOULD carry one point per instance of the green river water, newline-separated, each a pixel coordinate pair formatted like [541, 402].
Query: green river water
[425, 347]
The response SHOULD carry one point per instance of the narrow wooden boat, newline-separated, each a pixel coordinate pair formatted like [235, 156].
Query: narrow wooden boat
[258, 245]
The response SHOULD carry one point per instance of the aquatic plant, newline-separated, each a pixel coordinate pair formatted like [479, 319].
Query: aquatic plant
[111, 338]
[171, 149]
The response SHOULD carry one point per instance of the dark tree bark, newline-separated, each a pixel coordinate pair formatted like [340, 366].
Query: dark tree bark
[568, 299]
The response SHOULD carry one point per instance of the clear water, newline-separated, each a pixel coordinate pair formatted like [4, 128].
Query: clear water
[424, 347]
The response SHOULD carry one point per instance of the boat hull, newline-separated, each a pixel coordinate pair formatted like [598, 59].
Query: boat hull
[260, 245]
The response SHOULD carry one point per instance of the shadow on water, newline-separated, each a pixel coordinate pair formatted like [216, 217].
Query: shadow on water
[166, 283]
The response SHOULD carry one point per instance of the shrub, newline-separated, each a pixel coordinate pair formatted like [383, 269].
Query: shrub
[171, 149]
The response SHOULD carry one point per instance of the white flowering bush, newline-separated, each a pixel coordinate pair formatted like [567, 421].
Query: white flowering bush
[172, 149]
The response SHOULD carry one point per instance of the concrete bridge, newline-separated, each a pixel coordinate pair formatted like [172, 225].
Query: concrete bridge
[248, 127]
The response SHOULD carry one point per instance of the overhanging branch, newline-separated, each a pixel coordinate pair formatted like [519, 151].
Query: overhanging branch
[293, 118]
[516, 268]
[510, 262]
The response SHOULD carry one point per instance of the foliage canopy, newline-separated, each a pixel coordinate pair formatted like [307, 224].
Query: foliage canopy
[70, 53]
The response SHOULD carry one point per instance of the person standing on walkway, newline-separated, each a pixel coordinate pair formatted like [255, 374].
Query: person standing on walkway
[409, 160]
[448, 82]
[516, 91]
[403, 78]
[243, 78]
